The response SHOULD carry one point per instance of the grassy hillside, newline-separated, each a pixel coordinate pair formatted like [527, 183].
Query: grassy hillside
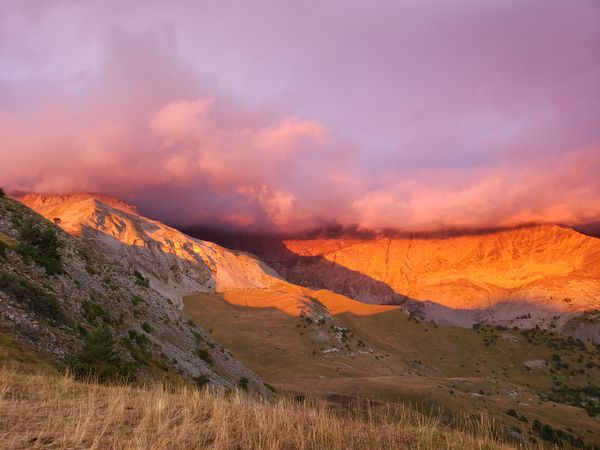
[13, 355]
[41, 408]
[324, 344]
[42, 411]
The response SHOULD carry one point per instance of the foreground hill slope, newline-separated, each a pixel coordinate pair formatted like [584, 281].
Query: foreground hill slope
[319, 342]
[532, 275]
[58, 292]
[42, 411]
[174, 264]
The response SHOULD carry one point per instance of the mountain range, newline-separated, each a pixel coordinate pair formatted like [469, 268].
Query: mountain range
[527, 276]
[500, 320]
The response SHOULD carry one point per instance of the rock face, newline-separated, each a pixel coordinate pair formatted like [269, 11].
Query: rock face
[175, 264]
[532, 275]
[51, 311]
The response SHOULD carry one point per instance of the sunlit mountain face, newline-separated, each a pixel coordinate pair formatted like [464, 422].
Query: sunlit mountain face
[528, 275]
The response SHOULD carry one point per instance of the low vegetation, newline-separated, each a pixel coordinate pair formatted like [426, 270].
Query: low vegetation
[587, 397]
[203, 354]
[390, 356]
[141, 280]
[5, 243]
[557, 436]
[37, 299]
[40, 245]
[93, 311]
[99, 359]
[45, 411]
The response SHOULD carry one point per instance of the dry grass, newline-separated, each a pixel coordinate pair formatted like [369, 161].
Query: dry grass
[45, 411]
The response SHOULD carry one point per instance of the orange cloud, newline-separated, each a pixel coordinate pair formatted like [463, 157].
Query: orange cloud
[564, 189]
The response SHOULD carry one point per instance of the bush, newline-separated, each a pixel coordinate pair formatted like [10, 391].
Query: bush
[139, 279]
[270, 387]
[91, 311]
[41, 246]
[98, 359]
[203, 354]
[243, 383]
[26, 293]
[147, 327]
[201, 380]
[516, 415]
[2, 194]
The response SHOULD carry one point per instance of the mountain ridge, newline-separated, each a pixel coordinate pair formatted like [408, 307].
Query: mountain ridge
[174, 263]
[495, 276]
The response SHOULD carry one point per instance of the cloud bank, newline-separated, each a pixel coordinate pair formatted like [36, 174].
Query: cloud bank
[476, 116]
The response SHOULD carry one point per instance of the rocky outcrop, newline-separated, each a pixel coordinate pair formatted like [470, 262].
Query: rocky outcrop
[174, 263]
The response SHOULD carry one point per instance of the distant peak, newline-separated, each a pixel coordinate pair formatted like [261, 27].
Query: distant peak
[62, 199]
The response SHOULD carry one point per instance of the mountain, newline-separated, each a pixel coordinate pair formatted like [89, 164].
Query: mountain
[174, 263]
[541, 275]
[305, 338]
[61, 296]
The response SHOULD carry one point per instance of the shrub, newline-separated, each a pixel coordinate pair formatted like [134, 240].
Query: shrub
[41, 246]
[98, 359]
[91, 311]
[243, 383]
[270, 387]
[201, 380]
[549, 434]
[197, 336]
[2, 194]
[138, 355]
[139, 279]
[203, 354]
[147, 327]
[26, 293]
[516, 415]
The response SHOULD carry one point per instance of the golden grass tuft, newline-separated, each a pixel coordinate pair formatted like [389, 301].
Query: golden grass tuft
[49, 411]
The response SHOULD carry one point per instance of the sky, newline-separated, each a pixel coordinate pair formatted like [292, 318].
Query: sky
[287, 115]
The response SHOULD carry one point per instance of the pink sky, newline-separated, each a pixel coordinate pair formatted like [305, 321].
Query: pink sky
[290, 115]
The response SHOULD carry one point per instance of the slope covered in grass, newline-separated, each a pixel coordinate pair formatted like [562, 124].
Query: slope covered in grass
[325, 344]
[42, 411]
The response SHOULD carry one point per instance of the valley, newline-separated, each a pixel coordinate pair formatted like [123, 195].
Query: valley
[324, 344]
